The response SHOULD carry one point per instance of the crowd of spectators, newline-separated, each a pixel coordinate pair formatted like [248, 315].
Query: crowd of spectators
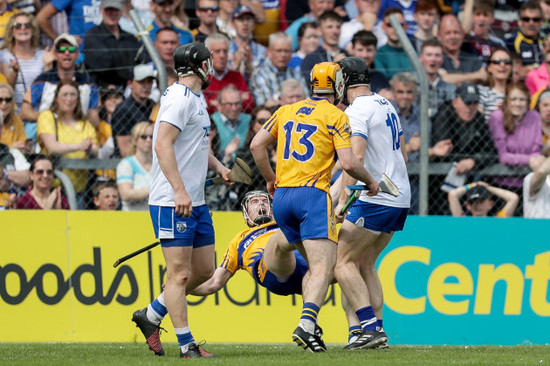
[77, 82]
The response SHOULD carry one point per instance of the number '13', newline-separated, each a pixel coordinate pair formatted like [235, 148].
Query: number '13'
[304, 140]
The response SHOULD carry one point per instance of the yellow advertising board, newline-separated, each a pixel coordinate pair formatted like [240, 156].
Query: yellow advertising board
[58, 284]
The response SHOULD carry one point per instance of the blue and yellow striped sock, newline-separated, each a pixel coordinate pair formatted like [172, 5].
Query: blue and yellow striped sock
[310, 311]
[367, 318]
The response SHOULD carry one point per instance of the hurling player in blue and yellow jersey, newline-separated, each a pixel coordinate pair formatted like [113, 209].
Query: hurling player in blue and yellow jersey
[310, 134]
[253, 250]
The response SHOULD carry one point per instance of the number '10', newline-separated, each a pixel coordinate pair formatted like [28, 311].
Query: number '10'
[391, 122]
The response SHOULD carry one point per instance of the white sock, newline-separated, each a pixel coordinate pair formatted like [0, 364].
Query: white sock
[308, 325]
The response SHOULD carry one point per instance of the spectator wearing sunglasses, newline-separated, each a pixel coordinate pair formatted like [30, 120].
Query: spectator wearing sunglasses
[42, 195]
[110, 51]
[526, 42]
[13, 134]
[22, 60]
[206, 11]
[391, 58]
[40, 96]
[134, 174]
[499, 73]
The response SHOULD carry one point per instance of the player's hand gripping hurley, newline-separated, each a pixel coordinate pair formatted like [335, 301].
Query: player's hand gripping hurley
[353, 192]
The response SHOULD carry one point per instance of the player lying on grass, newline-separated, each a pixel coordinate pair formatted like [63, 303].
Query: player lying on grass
[255, 250]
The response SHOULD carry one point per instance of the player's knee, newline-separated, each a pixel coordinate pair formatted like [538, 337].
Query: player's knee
[179, 278]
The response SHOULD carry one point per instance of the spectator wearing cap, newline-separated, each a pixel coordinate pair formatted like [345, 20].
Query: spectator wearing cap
[460, 121]
[135, 108]
[206, 11]
[479, 200]
[110, 51]
[82, 16]
[329, 26]
[244, 54]
[218, 44]
[266, 81]
[163, 11]
[39, 97]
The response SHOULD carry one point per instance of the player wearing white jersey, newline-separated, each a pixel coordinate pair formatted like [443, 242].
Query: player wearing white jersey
[369, 225]
[177, 206]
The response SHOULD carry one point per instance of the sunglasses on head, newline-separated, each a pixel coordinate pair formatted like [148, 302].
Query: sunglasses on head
[7, 100]
[22, 25]
[42, 171]
[145, 137]
[64, 49]
[497, 61]
[212, 9]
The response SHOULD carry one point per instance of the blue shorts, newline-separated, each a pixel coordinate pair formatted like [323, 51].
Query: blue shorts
[304, 213]
[176, 231]
[377, 217]
[291, 286]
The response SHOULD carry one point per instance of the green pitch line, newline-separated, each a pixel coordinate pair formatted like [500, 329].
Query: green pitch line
[133, 354]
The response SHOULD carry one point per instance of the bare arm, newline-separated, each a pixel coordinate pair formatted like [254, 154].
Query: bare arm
[454, 201]
[467, 16]
[43, 19]
[539, 177]
[352, 163]
[458, 78]
[22, 178]
[257, 9]
[215, 165]
[60, 148]
[27, 112]
[214, 283]
[509, 197]
[123, 142]
[258, 147]
[93, 116]
[129, 194]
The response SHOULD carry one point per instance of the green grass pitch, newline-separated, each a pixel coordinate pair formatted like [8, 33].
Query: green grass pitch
[134, 354]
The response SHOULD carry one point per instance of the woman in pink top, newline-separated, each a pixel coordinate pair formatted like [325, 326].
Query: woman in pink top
[516, 131]
[539, 78]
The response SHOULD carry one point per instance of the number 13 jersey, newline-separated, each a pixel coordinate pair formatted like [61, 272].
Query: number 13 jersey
[308, 134]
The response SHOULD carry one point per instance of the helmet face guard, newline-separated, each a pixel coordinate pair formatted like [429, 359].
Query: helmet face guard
[327, 78]
[263, 214]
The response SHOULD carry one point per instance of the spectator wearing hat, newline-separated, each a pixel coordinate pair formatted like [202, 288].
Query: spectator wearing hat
[39, 97]
[163, 11]
[244, 54]
[206, 11]
[479, 200]
[218, 44]
[110, 51]
[82, 16]
[460, 121]
[135, 108]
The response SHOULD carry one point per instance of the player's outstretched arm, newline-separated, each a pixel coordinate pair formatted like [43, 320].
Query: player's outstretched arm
[352, 163]
[214, 283]
[258, 147]
[216, 165]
